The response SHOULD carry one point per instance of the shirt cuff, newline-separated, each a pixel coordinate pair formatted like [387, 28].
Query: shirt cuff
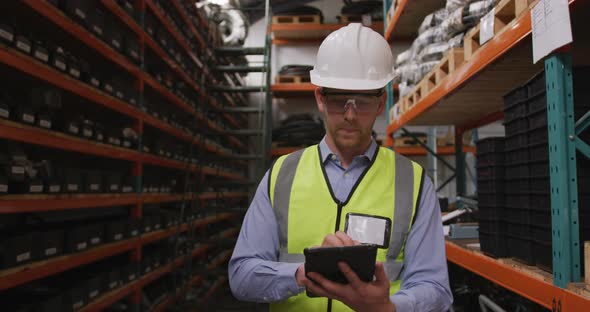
[402, 303]
[286, 272]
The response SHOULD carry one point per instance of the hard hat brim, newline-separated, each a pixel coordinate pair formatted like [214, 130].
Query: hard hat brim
[347, 83]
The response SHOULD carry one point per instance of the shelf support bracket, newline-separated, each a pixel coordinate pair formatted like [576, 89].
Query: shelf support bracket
[562, 161]
[583, 123]
[460, 162]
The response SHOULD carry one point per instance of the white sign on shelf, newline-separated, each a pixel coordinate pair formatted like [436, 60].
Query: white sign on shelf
[367, 20]
[486, 29]
[551, 27]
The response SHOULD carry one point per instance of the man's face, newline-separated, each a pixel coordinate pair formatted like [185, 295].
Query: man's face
[349, 115]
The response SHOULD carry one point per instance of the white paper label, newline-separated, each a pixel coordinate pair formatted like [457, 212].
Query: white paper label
[50, 251]
[134, 54]
[3, 188]
[94, 82]
[93, 294]
[108, 87]
[81, 246]
[126, 143]
[28, 118]
[114, 187]
[4, 113]
[132, 101]
[23, 257]
[74, 72]
[42, 56]
[87, 133]
[131, 277]
[73, 187]
[119, 94]
[36, 188]
[113, 285]
[127, 189]
[45, 123]
[95, 240]
[117, 141]
[23, 46]
[147, 229]
[550, 20]
[100, 137]
[94, 187]
[59, 64]
[486, 30]
[118, 236]
[18, 170]
[148, 269]
[80, 13]
[157, 226]
[73, 129]
[116, 44]
[97, 29]
[54, 188]
[6, 35]
[134, 232]
[367, 20]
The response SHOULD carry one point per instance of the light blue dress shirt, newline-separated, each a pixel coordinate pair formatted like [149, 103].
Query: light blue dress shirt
[256, 275]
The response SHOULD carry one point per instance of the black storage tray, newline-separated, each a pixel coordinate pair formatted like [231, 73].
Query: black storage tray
[518, 229]
[489, 199]
[113, 182]
[490, 145]
[92, 182]
[94, 285]
[516, 126]
[134, 227]
[490, 186]
[76, 239]
[542, 253]
[516, 141]
[146, 265]
[116, 230]
[518, 201]
[76, 297]
[539, 152]
[540, 185]
[111, 280]
[520, 171]
[72, 180]
[48, 244]
[515, 96]
[16, 250]
[129, 273]
[95, 234]
[537, 102]
[492, 226]
[517, 186]
[516, 156]
[490, 172]
[536, 84]
[512, 112]
[537, 119]
[517, 215]
[521, 249]
[490, 159]
[538, 136]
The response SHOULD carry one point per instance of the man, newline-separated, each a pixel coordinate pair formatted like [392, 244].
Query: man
[303, 200]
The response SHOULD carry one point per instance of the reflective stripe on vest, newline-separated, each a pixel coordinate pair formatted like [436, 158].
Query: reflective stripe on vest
[306, 210]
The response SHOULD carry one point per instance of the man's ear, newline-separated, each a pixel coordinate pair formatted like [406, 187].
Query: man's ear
[319, 99]
[382, 102]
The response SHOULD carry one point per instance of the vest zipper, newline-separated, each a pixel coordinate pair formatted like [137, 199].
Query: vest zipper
[338, 214]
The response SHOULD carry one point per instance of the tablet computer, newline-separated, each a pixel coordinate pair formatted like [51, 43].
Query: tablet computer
[324, 260]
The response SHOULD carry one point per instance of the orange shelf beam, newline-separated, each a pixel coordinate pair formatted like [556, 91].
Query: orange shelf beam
[213, 195]
[36, 203]
[396, 16]
[108, 299]
[19, 275]
[123, 16]
[528, 286]
[308, 33]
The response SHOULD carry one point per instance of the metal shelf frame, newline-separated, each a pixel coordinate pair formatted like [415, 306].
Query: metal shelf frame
[564, 141]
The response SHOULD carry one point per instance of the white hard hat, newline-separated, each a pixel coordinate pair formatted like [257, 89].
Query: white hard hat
[353, 57]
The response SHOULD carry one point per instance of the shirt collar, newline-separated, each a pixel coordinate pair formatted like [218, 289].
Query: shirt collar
[327, 152]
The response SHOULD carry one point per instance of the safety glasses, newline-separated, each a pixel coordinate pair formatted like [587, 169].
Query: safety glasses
[340, 102]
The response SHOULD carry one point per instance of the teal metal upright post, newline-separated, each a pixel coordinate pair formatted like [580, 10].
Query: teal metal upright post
[562, 161]
[389, 88]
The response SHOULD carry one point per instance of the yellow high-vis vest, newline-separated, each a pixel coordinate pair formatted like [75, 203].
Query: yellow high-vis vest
[307, 210]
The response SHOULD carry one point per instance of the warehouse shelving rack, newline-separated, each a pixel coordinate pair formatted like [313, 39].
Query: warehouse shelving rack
[466, 102]
[9, 130]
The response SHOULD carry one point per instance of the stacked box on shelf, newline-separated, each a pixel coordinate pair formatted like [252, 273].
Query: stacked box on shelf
[517, 188]
[490, 178]
[539, 178]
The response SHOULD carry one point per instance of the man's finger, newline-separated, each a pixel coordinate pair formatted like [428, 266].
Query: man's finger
[334, 289]
[331, 241]
[346, 240]
[380, 276]
[315, 289]
[350, 275]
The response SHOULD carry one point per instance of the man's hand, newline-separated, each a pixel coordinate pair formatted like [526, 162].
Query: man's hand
[358, 295]
[338, 239]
